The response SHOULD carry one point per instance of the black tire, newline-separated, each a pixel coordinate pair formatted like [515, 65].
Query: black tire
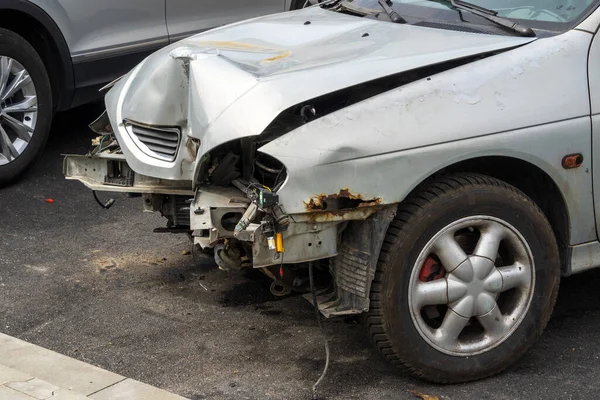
[419, 218]
[17, 48]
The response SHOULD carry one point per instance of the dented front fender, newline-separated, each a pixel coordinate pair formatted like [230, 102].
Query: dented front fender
[530, 103]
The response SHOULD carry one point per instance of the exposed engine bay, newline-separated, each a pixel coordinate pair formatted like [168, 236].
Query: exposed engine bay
[236, 215]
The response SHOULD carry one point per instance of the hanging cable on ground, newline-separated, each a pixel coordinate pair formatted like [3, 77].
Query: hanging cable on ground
[109, 203]
[318, 313]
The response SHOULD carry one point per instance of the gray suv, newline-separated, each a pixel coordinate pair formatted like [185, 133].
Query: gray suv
[56, 54]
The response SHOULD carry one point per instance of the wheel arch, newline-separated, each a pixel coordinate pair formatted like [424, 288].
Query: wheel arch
[38, 28]
[532, 180]
[442, 201]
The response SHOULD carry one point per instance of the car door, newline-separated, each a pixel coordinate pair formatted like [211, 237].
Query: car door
[107, 38]
[187, 17]
[107, 27]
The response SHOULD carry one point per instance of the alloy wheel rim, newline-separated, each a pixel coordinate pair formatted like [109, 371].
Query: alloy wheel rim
[18, 109]
[471, 286]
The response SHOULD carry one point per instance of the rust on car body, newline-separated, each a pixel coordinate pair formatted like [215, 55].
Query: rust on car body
[343, 200]
[342, 215]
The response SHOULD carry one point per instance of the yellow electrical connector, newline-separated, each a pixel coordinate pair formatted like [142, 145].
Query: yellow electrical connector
[279, 242]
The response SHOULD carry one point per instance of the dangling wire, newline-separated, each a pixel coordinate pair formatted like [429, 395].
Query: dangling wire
[106, 205]
[318, 313]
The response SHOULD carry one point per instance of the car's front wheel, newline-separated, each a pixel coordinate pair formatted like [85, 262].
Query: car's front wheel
[466, 281]
[25, 106]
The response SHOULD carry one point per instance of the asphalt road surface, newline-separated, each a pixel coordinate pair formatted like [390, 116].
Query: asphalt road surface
[99, 286]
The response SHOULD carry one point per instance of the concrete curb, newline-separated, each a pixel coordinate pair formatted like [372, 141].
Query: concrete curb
[31, 372]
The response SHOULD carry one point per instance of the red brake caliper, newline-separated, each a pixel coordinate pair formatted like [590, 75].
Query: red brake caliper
[431, 270]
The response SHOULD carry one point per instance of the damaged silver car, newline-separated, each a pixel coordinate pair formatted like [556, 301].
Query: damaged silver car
[435, 157]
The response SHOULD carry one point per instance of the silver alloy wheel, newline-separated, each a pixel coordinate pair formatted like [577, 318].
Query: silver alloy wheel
[483, 291]
[18, 109]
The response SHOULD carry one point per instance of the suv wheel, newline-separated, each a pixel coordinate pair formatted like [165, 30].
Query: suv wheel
[466, 281]
[25, 106]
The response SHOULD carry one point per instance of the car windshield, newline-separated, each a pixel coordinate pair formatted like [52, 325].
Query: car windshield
[543, 14]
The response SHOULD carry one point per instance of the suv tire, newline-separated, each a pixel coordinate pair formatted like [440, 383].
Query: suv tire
[22, 154]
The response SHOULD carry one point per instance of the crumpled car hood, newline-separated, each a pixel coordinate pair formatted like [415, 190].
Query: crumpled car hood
[233, 81]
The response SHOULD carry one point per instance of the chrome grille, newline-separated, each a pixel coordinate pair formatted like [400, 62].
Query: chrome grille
[161, 143]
